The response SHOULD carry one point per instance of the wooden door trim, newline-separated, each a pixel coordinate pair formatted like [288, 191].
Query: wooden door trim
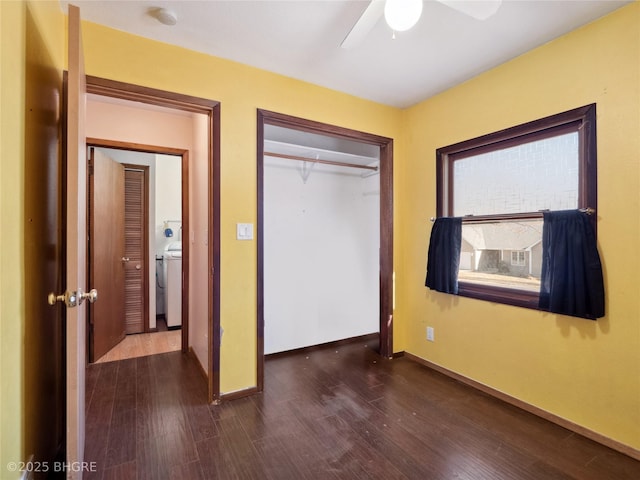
[184, 154]
[136, 147]
[145, 253]
[152, 96]
[210, 108]
[266, 117]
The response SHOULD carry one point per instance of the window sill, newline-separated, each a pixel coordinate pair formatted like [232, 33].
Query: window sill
[507, 296]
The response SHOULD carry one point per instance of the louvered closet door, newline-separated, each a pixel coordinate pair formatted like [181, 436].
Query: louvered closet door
[135, 242]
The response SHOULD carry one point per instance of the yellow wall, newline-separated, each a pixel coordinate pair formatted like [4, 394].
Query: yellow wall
[241, 90]
[12, 18]
[18, 21]
[587, 372]
[584, 371]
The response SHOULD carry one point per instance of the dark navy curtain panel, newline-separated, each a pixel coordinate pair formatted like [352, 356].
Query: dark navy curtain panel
[571, 282]
[443, 259]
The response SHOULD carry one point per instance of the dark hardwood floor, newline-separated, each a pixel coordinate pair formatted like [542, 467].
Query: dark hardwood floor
[331, 413]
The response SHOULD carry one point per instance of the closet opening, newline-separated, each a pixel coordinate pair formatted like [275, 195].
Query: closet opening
[325, 235]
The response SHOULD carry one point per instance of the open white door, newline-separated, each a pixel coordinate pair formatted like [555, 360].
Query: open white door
[76, 243]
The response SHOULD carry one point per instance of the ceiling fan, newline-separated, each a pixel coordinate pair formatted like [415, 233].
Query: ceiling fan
[403, 14]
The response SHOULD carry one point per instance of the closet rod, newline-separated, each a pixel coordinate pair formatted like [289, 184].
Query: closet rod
[313, 160]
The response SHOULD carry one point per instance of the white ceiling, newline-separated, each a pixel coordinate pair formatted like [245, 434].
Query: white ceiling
[301, 39]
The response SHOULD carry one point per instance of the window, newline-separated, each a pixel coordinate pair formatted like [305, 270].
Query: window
[518, 259]
[500, 184]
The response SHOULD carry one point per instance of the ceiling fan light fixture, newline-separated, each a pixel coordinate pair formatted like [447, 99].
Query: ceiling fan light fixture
[401, 15]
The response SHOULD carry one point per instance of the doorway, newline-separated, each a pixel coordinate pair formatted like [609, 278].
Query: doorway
[140, 294]
[203, 337]
[267, 119]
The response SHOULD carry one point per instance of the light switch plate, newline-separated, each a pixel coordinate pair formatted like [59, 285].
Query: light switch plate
[244, 231]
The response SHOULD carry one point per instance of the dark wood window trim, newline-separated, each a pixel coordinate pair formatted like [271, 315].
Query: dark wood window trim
[581, 120]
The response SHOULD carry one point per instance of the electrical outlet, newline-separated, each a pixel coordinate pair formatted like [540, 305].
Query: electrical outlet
[430, 334]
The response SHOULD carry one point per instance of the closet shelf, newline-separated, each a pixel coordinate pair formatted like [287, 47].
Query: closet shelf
[310, 153]
[318, 160]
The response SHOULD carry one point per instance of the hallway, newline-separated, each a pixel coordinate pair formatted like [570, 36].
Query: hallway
[329, 413]
[142, 344]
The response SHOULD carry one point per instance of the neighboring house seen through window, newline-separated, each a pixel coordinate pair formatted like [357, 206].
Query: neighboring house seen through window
[500, 184]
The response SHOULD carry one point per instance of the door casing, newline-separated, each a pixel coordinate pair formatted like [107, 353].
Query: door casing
[184, 154]
[210, 108]
[266, 117]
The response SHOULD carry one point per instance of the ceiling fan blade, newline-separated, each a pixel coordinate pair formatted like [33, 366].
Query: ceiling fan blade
[365, 23]
[478, 9]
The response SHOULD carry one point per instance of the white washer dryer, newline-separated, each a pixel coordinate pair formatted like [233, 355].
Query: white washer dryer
[172, 263]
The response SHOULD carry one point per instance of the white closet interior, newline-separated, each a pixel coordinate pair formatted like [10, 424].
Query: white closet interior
[321, 239]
